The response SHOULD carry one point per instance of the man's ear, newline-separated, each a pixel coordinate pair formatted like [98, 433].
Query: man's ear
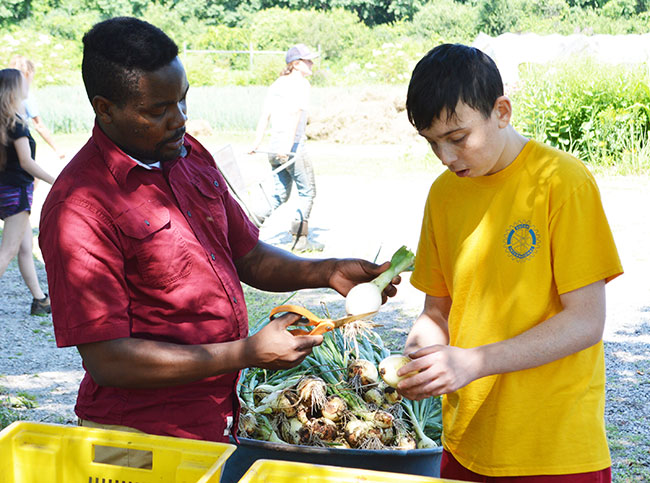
[103, 109]
[503, 110]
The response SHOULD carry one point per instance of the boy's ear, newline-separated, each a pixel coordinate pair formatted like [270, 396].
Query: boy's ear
[103, 109]
[503, 110]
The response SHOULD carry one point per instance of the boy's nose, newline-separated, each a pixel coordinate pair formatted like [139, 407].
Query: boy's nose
[446, 156]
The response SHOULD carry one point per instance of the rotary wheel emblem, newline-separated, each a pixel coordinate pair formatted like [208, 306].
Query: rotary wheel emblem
[521, 241]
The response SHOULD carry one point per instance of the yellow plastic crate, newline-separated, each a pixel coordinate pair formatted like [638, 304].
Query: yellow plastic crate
[54, 453]
[276, 471]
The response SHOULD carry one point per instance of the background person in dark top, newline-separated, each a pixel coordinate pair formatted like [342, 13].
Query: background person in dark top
[17, 172]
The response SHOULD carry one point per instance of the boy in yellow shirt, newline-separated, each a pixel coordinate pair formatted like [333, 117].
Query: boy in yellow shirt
[514, 254]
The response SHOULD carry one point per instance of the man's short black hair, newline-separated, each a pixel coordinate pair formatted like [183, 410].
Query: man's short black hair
[118, 51]
[446, 75]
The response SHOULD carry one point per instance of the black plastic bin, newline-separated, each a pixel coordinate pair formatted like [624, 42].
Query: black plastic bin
[423, 462]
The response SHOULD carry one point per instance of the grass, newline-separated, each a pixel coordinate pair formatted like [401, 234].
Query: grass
[630, 455]
[8, 416]
[11, 406]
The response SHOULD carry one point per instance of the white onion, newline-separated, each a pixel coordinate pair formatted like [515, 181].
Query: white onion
[364, 371]
[363, 299]
[389, 366]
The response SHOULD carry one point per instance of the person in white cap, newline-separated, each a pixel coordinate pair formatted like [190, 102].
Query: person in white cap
[285, 108]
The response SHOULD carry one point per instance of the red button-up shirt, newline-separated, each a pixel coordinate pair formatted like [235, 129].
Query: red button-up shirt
[148, 254]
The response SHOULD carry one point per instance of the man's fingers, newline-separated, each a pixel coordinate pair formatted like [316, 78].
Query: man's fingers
[308, 342]
[288, 319]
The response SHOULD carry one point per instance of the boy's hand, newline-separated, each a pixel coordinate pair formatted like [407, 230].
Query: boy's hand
[441, 369]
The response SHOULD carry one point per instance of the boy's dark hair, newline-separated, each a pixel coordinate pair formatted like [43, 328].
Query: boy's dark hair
[446, 75]
[116, 53]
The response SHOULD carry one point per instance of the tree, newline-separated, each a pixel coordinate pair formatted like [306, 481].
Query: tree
[496, 17]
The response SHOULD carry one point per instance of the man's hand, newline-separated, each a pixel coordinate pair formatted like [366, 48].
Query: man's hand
[349, 272]
[272, 269]
[274, 347]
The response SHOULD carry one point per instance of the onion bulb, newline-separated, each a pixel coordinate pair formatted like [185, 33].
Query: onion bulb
[356, 432]
[366, 298]
[390, 365]
[391, 395]
[334, 408]
[374, 396]
[362, 371]
[291, 431]
[247, 424]
[312, 391]
[387, 435]
[405, 442]
[323, 429]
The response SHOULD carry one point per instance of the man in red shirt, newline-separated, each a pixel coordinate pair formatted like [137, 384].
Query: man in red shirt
[145, 251]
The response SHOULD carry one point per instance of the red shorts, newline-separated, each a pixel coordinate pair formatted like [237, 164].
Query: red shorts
[450, 468]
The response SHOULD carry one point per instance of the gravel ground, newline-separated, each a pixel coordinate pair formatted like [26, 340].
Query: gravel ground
[354, 222]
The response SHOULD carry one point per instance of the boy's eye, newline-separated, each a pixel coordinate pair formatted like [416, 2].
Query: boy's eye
[458, 139]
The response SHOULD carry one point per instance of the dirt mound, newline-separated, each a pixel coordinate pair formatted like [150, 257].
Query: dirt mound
[366, 117]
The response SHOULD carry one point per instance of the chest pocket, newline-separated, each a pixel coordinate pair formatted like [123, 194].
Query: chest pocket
[212, 190]
[153, 245]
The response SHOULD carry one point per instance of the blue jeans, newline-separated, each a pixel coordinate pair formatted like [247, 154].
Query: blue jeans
[302, 174]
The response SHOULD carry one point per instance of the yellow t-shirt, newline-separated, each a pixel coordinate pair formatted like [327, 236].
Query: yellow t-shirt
[503, 247]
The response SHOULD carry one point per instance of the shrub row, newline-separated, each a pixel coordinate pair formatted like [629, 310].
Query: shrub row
[352, 52]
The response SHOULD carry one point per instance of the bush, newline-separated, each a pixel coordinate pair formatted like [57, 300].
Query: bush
[579, 106]
[57, 60]
[181, 29]
[57, 23]
[496, 17]
[337, 32]
[592, 22]
[446, 20]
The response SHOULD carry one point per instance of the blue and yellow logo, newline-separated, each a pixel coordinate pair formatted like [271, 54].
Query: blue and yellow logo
[521, 241]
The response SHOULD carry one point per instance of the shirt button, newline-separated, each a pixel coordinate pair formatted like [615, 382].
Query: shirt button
[146, 222]
[234, 299]
[216, 183]
[189, 213]
[212, 256]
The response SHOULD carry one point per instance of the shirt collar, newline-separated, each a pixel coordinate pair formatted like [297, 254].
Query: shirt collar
[118, 162]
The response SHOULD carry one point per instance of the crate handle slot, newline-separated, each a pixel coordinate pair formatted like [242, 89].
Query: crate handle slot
[126, 457]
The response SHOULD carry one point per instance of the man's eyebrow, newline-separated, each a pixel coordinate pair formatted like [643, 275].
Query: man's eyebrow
[165, 103]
